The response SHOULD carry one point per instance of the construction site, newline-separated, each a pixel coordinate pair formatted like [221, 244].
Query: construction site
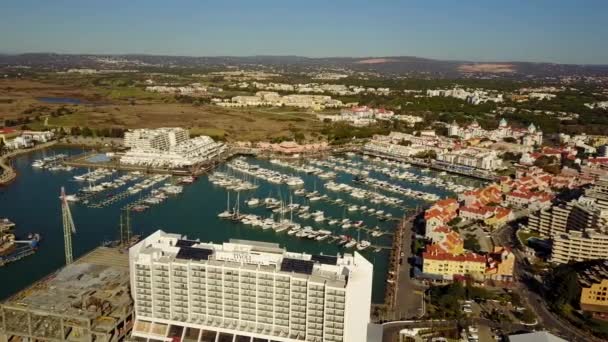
[87, 300]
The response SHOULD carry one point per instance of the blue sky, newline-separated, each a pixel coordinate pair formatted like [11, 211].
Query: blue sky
[525, 30]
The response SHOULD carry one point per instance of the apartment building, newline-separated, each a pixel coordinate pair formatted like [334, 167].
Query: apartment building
[594, 290]
[438, 262]
[156, 139]
[191, 152]
[579, 246]
[529, 136]
[246, 290]
[578, 229]
[476, 158]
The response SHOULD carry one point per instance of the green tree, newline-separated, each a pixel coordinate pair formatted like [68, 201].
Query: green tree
[86, 132]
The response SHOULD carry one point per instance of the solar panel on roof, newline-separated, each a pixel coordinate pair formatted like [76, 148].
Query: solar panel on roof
[191, 253]
[185, 243]
[325, 259]
[297, 265]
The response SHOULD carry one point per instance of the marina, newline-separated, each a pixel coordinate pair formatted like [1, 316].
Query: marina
[304, 206]
[12, 248]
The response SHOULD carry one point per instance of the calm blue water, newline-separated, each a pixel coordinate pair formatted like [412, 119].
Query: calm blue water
[61, 100]
[32, 202]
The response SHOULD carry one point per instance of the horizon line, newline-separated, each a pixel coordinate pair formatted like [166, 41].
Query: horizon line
[299, 56]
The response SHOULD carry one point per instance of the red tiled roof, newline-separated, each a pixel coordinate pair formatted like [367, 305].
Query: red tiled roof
[446, 202]
[469, 256]
[501, 212]
[521, 194]
[7, 130]
[480, 210]
[598, 160]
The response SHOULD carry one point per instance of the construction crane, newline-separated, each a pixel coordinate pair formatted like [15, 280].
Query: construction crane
[125, 228]
[68, 227]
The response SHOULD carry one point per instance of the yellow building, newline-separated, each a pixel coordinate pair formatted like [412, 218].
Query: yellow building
[595, 297]
[500, 218]
[501, 263]
[436, 261]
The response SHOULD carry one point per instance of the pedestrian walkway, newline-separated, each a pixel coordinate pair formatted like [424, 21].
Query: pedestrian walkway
[8, 173]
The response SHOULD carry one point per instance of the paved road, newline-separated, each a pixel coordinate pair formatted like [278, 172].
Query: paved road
[409, 292]
[391, 330]
[525, 287]
[8, 174]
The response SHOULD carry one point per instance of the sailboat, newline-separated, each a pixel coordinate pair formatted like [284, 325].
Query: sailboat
[236, 216]
[362, 244]
[226, 213]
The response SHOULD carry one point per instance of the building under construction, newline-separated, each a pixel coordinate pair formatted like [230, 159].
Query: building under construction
[87, 300]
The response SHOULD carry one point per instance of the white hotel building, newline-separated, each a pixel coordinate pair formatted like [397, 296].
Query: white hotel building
[246, 291]
[168, 148]
[157, 139]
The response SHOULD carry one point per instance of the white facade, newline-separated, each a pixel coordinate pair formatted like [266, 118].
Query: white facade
[477, 158]
[248, 289]
[268, 98]
[529, 136]
[168, 148]
[193, 151]
[159, 139]
[475, 97]
[39, 136]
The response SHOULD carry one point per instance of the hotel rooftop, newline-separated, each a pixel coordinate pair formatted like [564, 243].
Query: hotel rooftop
[253, 255]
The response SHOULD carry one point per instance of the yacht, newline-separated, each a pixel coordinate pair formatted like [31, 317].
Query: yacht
[350, 244]
[38, 164]
[252, 202]
[377, 232]
[225, 214]
[322, 237]
[363, 245]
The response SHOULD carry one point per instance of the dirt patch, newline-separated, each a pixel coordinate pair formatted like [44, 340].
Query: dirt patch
[376, 61]
[487, 67]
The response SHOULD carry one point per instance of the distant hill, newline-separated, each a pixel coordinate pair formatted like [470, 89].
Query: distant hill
[388, 65]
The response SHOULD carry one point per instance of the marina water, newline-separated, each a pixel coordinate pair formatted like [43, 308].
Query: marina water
[32, 201]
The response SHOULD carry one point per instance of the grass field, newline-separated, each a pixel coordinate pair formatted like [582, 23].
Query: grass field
[132, 107]
[525, 235]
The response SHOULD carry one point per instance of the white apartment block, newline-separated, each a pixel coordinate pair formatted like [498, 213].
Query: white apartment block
[168, 148]
[472, 96]
[578, 229]
[246, 291]
[485, 160]
[269, 98]
[157, 139]
[526, 136]
[191, 152]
